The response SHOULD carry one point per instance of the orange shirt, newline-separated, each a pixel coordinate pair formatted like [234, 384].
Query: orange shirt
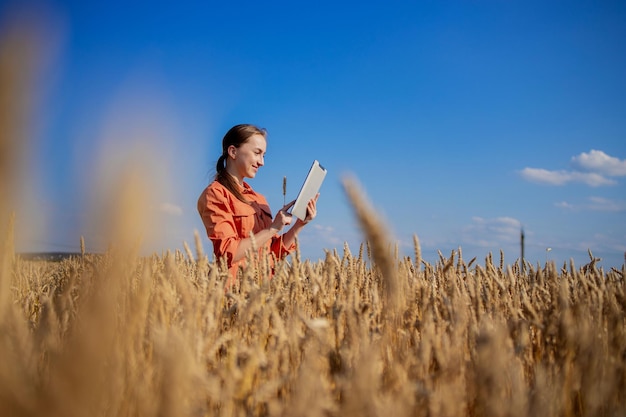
[228, 220]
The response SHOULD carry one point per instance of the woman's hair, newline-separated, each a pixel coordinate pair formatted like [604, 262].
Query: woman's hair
[236, 136]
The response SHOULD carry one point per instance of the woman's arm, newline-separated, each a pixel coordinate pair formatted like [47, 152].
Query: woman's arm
[260, 238]
[281, 220]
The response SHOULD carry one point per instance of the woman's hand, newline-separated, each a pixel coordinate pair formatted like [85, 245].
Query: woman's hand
[282, 218]
[311, 212]
[311, 209]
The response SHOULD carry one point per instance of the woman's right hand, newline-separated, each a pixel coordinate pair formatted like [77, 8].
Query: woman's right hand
[282, 218]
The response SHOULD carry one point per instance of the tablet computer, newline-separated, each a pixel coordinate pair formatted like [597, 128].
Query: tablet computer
[309, 189]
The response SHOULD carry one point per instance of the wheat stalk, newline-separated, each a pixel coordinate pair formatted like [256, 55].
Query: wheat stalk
[375, 232]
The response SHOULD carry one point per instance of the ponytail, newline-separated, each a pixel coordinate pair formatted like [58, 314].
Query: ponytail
[224, 178]
[221, 165]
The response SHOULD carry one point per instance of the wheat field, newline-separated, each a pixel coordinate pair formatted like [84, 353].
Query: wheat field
[355, 334]
[369, 333]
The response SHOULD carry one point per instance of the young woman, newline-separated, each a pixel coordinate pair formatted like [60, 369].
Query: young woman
[231, 209]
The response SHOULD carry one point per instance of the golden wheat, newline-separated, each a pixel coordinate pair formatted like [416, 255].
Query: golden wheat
[148, 336]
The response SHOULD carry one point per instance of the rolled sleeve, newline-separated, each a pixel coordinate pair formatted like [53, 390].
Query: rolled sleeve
[279, 249]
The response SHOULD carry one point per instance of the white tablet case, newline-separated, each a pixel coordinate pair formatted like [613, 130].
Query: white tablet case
[309, 189]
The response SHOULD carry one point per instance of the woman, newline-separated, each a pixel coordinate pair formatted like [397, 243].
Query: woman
[231, 210]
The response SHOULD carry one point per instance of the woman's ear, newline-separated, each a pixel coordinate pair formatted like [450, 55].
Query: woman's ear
[232, 151]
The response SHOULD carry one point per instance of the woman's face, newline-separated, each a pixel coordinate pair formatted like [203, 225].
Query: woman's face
[248, 158]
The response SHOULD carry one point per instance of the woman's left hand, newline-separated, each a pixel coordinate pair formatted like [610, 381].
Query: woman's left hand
[311, 209]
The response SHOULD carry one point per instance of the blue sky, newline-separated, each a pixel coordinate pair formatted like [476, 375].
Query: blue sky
[463, 121]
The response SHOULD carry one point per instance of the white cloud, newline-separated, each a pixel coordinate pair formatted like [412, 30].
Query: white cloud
[171, 209]
[564, 205]
[597, 243]
[595, 204]
[545, 176]
[598, 161]
[323, 228]
[492, 232]
[589, 168]
[325, 235]
[604, 204]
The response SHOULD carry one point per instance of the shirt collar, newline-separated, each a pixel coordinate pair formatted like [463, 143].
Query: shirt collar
[246, 189]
